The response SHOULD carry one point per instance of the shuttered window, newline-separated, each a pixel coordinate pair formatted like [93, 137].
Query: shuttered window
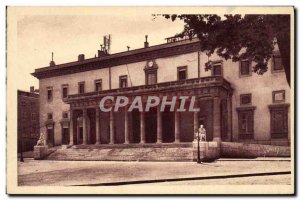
[98, 85]
[123, 81]
[246, 123]
[81, 87]
[277, 63]
[279, 121]
[217, 69]
[151, 78]
[182, 73]
[245, 67]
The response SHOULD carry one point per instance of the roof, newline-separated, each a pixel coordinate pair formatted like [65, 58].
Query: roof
[42, 72]
[27, 93]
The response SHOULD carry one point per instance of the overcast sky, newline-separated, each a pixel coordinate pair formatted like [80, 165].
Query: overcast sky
[70, 35]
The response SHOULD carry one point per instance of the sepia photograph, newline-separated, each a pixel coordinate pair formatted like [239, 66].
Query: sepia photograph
[150, 100]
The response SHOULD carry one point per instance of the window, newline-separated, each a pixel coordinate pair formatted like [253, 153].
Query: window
[23, 103]
[98, 85]
[245, 99]
[49, 93]
[182, 73]
[23, 115]
[123, 81]
[279, 120]
[245, 68]
[65, 136]
[50, 116]
[278, 96]
[246, 122]
[33, 116]
[151, 78]
[65, 91]
[32, 132]
[277, 64]
[65, 115]
[81, 87]
[217, 68]
[151, 72]
[32, 105]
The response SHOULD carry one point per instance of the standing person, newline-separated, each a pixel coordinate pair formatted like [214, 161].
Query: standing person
[202, 133]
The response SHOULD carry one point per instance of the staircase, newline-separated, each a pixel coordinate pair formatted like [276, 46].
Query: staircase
[123, 152]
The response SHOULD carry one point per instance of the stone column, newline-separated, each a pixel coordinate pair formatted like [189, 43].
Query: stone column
[159, 125]
[111, 127]
[229, 110]
[177, 124]
[84, 125]
[217, 119]
[71, 128]
[77, 133]
[142, 124]
[98, 139]
[126, 125]
[196, 120]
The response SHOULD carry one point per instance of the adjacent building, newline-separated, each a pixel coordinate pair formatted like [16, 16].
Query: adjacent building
[235, 103]
[28, 119]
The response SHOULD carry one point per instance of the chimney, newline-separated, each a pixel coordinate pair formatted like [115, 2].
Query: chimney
[146, 43]
[128, 48]
[31, 89]
[81, 57]
[52, 63]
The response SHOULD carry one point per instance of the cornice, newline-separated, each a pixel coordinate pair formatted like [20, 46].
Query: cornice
[113, 60]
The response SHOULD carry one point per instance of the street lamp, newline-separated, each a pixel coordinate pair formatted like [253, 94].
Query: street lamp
[198, 149]
[21, 158]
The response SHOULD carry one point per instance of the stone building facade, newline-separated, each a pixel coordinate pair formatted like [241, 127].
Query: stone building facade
[28, 119]
[235, 103]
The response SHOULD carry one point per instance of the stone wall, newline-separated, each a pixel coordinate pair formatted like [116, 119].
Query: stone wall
[209, 151]
[243, 150]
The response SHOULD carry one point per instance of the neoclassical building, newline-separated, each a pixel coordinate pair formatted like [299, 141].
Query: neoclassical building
[235, 103]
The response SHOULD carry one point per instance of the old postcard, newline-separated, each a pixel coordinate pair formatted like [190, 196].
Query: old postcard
[150, 100]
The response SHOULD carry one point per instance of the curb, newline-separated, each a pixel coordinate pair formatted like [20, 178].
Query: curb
[184, 179]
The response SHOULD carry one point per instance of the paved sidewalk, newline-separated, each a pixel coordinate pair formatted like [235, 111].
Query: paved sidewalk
[46, 172]
[257, 159]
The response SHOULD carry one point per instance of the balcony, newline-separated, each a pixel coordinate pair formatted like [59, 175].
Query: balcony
[172, 86]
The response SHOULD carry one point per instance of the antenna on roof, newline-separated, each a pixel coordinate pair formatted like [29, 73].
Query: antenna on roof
[107, 43]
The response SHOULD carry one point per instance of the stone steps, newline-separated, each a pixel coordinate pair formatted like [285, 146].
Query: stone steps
[125, 154]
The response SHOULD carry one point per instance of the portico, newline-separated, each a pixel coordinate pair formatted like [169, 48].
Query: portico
[91, 126]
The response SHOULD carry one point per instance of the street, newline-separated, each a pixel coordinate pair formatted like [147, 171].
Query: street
[97, 173]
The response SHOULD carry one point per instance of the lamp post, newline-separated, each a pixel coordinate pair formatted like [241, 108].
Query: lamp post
[198, 149]
[21, 158]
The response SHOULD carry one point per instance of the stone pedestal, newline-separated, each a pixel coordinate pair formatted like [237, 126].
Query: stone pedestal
[65, 146]
[209, 151]
[40, 152]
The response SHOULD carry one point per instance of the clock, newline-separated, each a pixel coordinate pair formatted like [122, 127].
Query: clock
[150, 63]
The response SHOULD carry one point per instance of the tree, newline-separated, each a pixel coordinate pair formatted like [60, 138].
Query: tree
[238, 37]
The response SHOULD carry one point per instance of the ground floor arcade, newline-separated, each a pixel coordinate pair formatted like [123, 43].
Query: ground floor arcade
[87, 124]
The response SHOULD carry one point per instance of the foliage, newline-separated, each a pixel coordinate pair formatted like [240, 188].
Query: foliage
[238, 37]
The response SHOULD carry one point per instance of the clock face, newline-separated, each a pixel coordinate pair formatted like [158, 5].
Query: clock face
[150, 63]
